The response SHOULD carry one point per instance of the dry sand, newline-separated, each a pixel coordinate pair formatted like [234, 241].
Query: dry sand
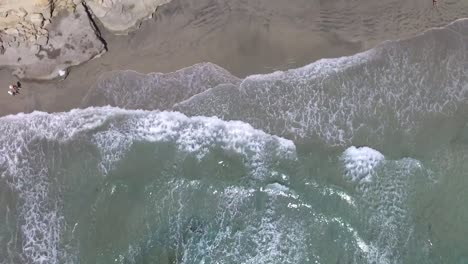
[243, 36]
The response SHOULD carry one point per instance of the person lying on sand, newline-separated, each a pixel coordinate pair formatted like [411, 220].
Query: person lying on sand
[13, 90]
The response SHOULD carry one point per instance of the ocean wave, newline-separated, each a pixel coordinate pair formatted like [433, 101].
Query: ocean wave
[360, 162]
[395, 90]
[386, 190]
[32, 140]
[133, 90]
[195, 135]
[24, 164]
[391, 92]
[246, 204]
[241, 233]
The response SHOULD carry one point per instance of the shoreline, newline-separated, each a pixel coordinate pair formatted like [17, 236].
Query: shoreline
[244, 40]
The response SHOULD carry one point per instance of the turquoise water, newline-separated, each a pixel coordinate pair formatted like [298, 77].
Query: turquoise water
[359, 159]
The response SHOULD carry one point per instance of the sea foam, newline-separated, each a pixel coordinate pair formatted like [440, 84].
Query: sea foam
[384, 191]
[360, 162]
[196, 135]
[398, 87]
[113, 131]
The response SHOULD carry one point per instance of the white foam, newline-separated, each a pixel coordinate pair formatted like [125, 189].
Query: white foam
[370, 94]
[274, 239]
[39, 217]
[113, 130]
[359, 163]
[343, 195]
[276, 189]
[320, 67]
[23, 159]
[133, 90]
[262, 236]
[383, 198]
[195, 135]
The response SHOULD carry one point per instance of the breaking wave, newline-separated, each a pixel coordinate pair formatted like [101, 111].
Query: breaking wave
[32, 165]
[396, 91]
[113, 185]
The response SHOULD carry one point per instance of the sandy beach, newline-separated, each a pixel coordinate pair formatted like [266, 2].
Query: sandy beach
[234, 131]
[244, 37]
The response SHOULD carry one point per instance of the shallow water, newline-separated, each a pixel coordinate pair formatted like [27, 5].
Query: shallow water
[359, 159]
[105, 185]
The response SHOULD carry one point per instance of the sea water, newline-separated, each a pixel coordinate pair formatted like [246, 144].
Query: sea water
[360, 159]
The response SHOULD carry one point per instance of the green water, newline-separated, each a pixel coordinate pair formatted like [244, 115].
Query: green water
[360, 159]
[201, 193]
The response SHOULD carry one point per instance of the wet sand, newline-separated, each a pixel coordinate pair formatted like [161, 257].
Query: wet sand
[243, 36]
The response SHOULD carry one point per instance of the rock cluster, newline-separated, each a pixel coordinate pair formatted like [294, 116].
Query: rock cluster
[39, 38]
[39, 49]
[29, 19]
[120, 16]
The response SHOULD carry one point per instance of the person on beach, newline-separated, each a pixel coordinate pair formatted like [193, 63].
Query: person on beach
[434, 2]
[13, 89]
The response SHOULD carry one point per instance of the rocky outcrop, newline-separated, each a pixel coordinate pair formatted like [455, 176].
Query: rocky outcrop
[40, 39]
[120, 16]
[25, 18]
[19, 11]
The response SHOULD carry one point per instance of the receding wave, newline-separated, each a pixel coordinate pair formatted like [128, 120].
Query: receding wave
[39, 167]
[133, 90]
[396, 90]
[385, 191]
[186, 189]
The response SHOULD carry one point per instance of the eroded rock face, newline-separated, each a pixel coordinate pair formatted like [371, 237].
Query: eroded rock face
[39, 38]
[47, 37]
[121, 16]
[13, 12]
[35, 12]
